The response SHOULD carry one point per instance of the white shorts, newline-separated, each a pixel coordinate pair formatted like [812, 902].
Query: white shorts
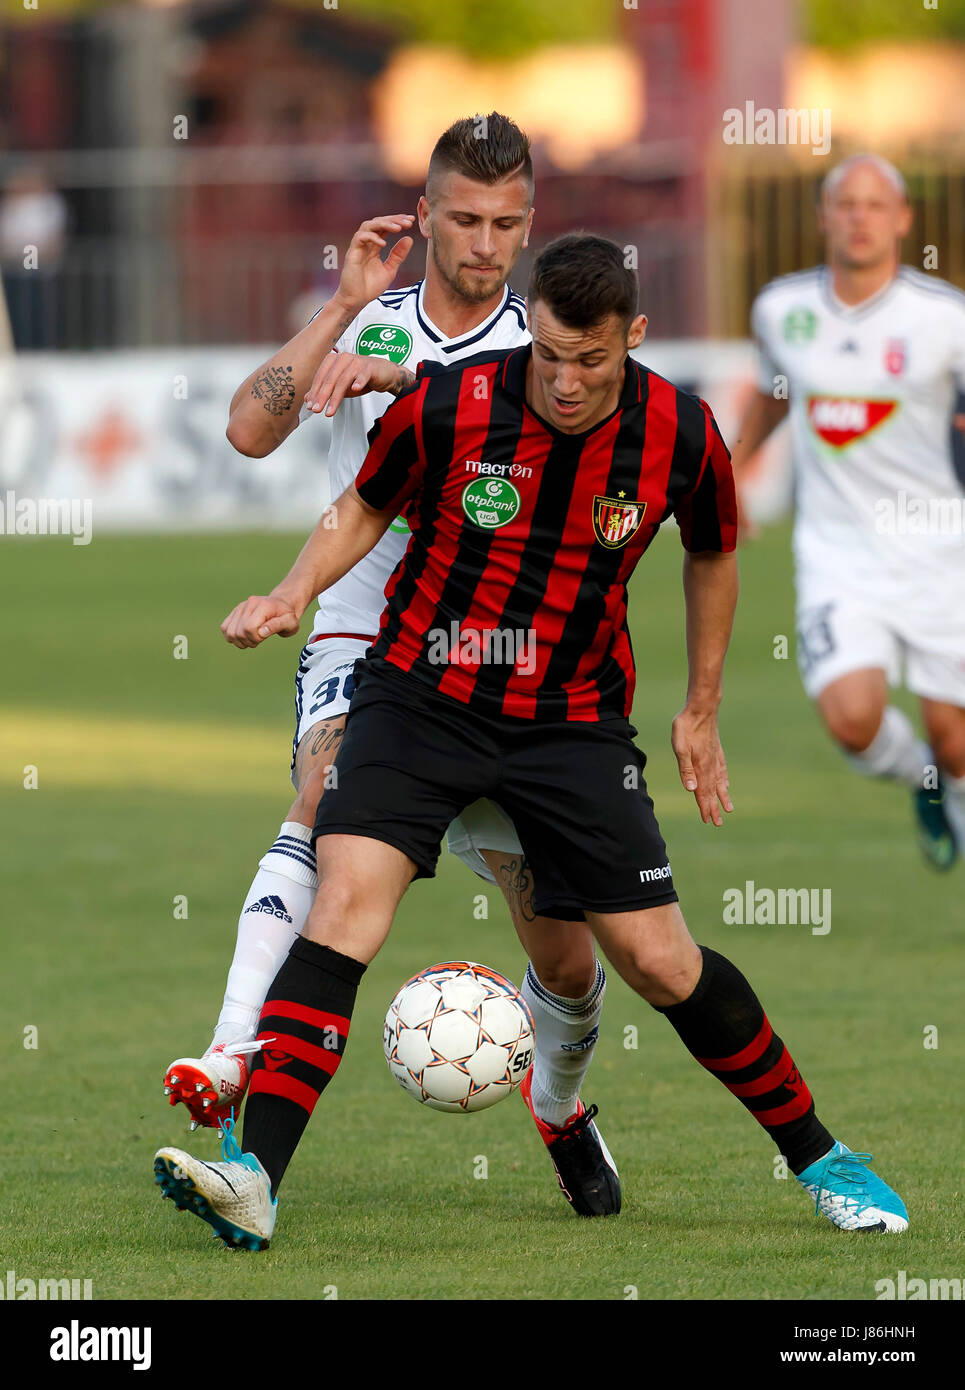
[323, 682]
[852, 632]
[324, 687]
[482, 825]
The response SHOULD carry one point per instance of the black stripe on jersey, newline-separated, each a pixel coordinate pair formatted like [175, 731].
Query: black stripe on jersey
[471, 560]
[442, 397]
[706, 536]
[689, 449]
[528, 590]
[397, 464]
[600, 574]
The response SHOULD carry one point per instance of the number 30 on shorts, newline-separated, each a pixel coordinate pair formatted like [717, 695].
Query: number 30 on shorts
[328, 690]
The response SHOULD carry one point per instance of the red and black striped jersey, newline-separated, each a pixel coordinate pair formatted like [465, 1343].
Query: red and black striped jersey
[511, 596]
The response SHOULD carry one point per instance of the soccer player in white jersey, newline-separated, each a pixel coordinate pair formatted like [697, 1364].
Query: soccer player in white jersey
[476, 216]
[868, 356]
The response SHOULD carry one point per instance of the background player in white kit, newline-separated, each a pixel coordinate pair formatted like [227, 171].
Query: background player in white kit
[872, 355]
[476, 217]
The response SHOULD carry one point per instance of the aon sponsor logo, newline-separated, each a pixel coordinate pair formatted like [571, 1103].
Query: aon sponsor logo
[840, 420]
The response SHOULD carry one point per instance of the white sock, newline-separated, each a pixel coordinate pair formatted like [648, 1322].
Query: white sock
[955, 807]
[275, 911]
[566, 1033]
[895, 751]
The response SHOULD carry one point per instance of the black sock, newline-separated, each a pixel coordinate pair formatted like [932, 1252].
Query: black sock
[304, 1026]
[723, 1025]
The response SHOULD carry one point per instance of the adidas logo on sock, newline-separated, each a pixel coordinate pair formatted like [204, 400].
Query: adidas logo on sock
[583, 1043]
[273, 905]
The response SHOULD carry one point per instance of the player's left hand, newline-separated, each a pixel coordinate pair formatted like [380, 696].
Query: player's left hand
[345, 374]
[695, 740]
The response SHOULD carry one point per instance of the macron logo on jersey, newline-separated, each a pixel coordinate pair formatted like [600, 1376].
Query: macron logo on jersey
[840, 420]
[498, 470]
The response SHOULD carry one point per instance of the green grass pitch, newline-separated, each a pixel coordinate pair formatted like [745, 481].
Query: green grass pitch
[159, 777]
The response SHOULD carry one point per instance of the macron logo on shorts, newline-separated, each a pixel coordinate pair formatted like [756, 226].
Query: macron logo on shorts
[652, 875]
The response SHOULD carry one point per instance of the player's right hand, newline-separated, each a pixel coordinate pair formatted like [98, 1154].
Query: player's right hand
[364, 273]
[259, 617]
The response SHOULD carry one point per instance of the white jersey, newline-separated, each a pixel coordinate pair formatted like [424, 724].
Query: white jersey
[395, 326]
[872, 390]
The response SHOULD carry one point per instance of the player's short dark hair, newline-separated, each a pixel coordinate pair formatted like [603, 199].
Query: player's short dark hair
[484, 148]
[584, 279]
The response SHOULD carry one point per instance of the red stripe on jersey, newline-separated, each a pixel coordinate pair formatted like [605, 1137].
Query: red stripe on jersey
[400, 416]
[471, 425]
[324, 1058]
[717, 459]
[652, 484]
[276, 1083]
[496, 581]
[745, 1057]
[318, 1018]
[566, 584]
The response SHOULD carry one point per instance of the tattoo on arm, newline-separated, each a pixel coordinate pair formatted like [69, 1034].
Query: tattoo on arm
[517, 883]
[402, 381]
[275, 388]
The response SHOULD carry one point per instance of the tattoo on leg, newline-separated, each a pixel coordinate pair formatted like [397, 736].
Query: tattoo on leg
[517, 882]
[326, 739]
[275, 388]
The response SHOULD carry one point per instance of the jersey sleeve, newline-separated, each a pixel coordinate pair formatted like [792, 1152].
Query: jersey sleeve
[393, 469]
[767, 364]
[707, 515]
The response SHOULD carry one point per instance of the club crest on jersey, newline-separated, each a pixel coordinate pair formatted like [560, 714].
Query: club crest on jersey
[615, 521]
[384, 340]
[895, 356]
[840, 420]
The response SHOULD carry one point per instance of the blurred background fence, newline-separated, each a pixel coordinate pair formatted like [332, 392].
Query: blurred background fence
[181, 177]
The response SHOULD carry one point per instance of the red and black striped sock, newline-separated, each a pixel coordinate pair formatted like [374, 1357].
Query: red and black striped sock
[304, 1026]
[723, 1025]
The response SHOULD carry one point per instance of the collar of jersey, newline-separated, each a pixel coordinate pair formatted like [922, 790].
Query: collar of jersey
[437, 335]
[514, 382]
[854, 311]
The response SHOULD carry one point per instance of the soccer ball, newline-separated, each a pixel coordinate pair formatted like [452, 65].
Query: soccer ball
[458, 1036]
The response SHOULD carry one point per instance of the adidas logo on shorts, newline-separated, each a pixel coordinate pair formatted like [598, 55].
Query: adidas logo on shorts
[273, 905]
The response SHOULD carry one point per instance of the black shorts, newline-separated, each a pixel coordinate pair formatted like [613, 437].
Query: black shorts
[411, 760]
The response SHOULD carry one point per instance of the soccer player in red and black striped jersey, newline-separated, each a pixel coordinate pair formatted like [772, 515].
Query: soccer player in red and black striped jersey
[535, 478]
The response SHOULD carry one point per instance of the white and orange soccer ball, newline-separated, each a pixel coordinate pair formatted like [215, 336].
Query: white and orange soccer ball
[458, 1036]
